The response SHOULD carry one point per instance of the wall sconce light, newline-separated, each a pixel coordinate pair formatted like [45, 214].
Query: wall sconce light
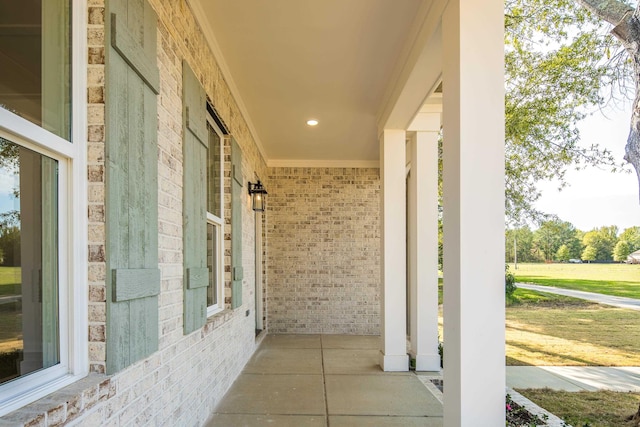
[257, 193]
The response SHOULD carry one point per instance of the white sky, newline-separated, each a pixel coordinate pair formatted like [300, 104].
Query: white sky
[597, 197]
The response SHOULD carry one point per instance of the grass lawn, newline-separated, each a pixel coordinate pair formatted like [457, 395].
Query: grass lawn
[10, 281]
[600, 408]
[10, 313]
[544, 329]
[611, 279]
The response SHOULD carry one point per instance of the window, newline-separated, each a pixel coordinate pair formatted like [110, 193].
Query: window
[35, 53]
[28, 261]
[215, 222]
[42, 202]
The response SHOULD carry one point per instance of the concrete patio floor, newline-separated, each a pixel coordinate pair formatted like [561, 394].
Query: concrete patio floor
[324, 380]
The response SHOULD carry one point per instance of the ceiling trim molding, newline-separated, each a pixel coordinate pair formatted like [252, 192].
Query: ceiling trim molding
[199, 15]
[299, 163]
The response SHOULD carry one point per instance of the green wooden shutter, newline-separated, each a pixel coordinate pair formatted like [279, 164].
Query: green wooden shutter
[236, 225]
[133, 277]
[196, 274]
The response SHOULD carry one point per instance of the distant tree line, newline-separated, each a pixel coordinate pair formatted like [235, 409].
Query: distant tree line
[557, 240]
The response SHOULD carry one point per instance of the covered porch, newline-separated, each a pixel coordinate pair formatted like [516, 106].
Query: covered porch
[182, 108]
[383, 81]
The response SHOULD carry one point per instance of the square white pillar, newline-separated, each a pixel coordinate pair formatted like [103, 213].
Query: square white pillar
[473, 191]
[393, 296]
[423, 247]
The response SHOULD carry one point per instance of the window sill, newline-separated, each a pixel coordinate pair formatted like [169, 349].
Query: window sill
[65, 404]
[217, 319]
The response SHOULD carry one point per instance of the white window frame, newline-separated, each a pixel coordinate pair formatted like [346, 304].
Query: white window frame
[218, 222]
[72, 228]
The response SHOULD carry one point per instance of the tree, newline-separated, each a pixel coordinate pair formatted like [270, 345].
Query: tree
[10, 246]
[621, 251]
[556, 69]
[552, 234]
[602, 240]
[589, 254]
[523, 239]
[563, 253]
[632, 236]
[626, 28]
[546, 239]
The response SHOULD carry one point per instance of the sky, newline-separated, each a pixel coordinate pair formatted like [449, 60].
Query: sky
[598, 197]
[8, 181]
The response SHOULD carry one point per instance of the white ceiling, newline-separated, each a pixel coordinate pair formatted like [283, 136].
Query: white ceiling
[292, 60]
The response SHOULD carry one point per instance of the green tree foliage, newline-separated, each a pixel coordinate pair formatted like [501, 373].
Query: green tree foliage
[632, 236]
[563, 253]
[589, 254]
[623, 16]
[522, 238]
[621, 251]
[9, 155]
[556, 69]
[10, 246]
[603, 241]
[552, 234]
[558, 240]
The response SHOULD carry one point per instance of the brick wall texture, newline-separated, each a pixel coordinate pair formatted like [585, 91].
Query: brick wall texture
[323, 251]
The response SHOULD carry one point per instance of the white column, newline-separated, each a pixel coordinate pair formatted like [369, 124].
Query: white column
[473, 94]
[423, 243]
[393, 297]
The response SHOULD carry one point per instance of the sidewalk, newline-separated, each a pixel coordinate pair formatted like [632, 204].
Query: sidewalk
[574, 378]
[622, 302]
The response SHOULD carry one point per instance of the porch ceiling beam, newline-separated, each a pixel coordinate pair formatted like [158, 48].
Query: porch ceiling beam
[418, 72]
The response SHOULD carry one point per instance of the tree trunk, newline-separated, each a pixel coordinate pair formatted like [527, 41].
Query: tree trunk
[635, 417]
[627, 29]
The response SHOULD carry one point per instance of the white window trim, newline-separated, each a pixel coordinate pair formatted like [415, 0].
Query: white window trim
[219, 223]
[72, 229]
[216, 308]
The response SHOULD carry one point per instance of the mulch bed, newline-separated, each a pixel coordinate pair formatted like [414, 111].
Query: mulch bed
[517, 416]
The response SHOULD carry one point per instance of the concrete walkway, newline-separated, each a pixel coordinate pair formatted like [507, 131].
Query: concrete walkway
[574, 378]
[622, 302]
[321, 380]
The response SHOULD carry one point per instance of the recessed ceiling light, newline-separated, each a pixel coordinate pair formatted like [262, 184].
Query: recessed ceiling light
[312, 122]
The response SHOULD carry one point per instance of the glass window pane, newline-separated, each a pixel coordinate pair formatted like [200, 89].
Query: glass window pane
[212, 264]
[214, 164]
[29, 330]
[35, 55]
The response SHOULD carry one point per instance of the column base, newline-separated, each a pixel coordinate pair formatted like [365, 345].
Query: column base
[394, 362]
[427, 362]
